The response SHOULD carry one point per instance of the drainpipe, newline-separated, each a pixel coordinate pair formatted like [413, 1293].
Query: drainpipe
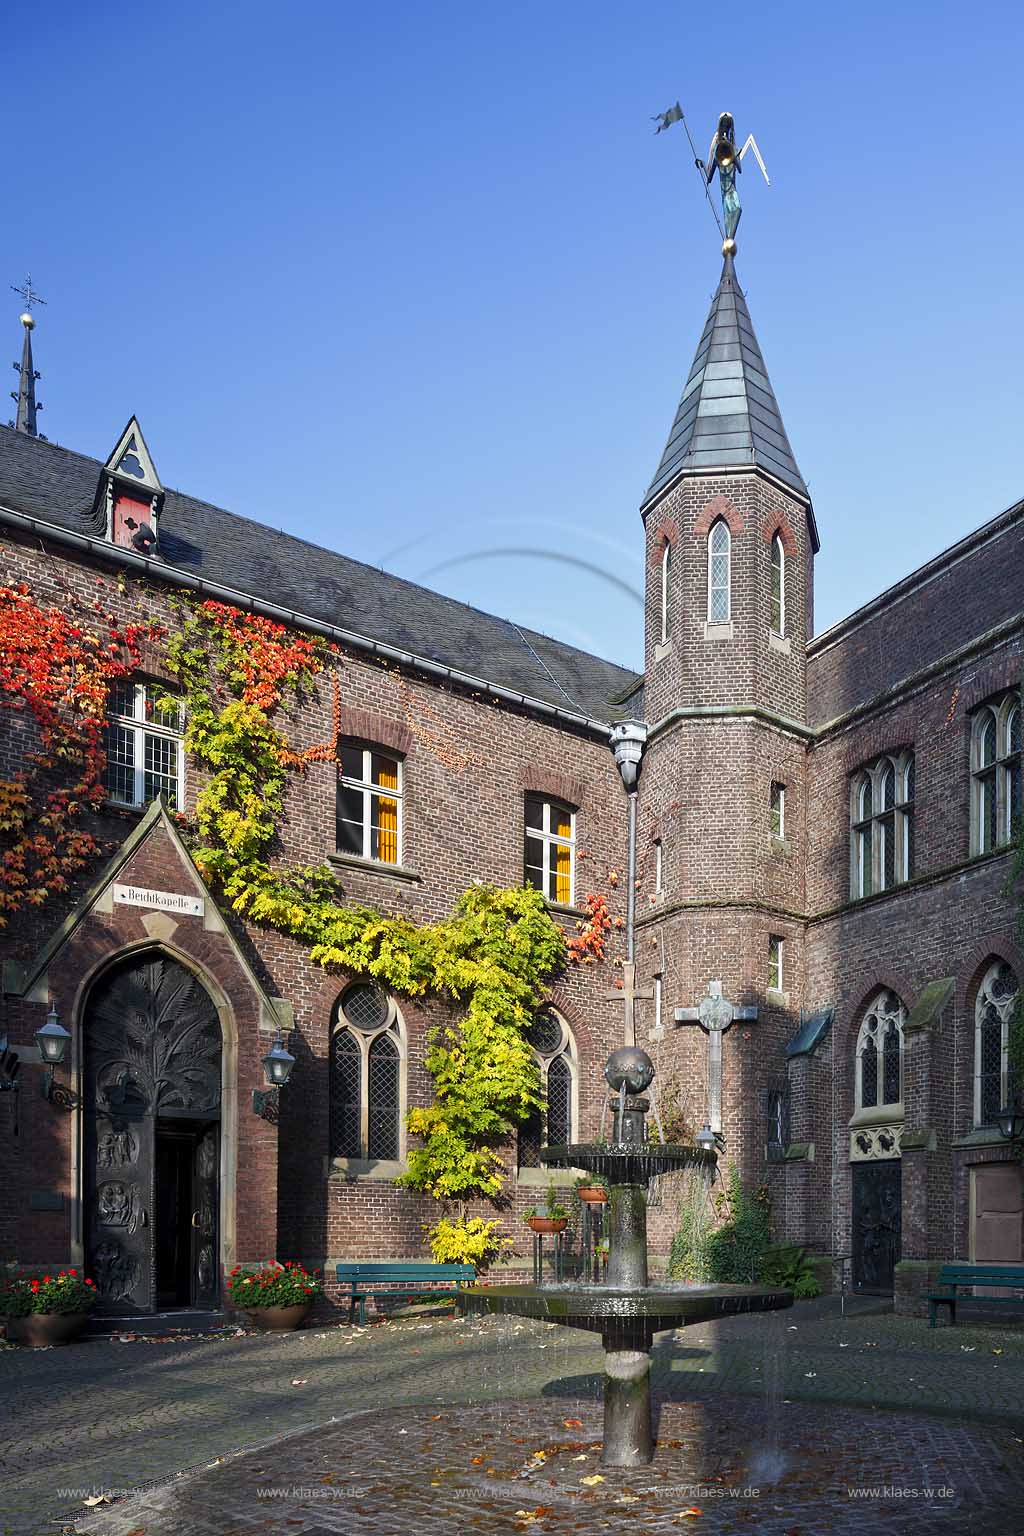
[627, 743]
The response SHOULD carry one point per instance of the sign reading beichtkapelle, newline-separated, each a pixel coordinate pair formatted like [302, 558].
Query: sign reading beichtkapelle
[159, 901]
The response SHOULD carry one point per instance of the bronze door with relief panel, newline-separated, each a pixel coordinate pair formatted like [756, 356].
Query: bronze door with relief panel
[151, 1051]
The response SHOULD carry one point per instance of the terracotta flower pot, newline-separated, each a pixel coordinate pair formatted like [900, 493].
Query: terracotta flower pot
[547, 1223]
[593, 1194]
[280, 1319]
[40, 1329]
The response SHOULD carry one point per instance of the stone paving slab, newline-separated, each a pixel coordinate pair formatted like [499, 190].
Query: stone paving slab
[536, 1467]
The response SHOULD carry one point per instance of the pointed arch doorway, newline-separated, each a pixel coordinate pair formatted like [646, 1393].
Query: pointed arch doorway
[151, 1057]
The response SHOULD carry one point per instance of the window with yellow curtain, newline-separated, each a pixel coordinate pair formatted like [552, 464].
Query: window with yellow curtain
[369, 820]
[550, 848]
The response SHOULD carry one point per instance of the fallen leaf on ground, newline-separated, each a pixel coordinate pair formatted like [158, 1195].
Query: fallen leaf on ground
[299, 1381]
[477, 1460]
[595, 1477]
[573, 1423]
[94, 1499]
[689, 1514]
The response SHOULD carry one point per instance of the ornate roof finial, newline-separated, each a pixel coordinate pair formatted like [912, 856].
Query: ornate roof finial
[25, 395]
[724, 158]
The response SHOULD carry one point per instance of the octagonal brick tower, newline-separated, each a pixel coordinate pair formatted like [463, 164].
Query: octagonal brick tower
[730, 541]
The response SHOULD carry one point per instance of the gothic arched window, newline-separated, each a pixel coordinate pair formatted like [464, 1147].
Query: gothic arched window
[995, 772]
[555, 1124]
[666, 589]
[879, 1061]
[367, 1078]
[992, 1012]
[882, 825]
[778, 596]
[719, 574]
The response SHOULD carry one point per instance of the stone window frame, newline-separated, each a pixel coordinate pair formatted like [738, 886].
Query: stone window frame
[884, 1013]
[550, 840]
[565, 1052]
[777, 810]
[1003, 1008]
[998, 777]
[392, 1026]
[369, 790]
[869, 818]
[777, 589]
[718, 532]
[142, 721]
[776, 963]
[666, 591]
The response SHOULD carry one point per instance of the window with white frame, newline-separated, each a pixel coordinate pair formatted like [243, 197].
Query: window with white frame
[995, 772]
[554, 1124]
[145, 755]
[776, 977]
[550, 848]
[777, 810]
[367, 1077]
[719, 573]
[778, 592]
[659, 867]
[993, 1009]
[369, 810]
[666, 589]
[879, 1062]
[882, 825]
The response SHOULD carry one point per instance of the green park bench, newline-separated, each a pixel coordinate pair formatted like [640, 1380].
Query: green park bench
[400, 1280]
[954, 1276]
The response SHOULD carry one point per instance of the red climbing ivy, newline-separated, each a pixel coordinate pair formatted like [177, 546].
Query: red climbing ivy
[57, 666]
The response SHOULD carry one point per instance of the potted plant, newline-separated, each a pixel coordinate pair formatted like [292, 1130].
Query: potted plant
[276, 1296]
[592, 1188]
[51, 1310]
[553, 1218]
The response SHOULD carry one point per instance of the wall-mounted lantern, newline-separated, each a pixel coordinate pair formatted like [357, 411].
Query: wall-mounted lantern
[53, 1041]
[277, 1068]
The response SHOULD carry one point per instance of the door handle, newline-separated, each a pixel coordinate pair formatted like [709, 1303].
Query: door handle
[195, 1218]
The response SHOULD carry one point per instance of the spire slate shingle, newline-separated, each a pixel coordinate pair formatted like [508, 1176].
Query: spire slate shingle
[26, 396]
[728, 416]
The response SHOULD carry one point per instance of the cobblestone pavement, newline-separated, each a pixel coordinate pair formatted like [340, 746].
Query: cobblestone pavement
[536, 1467]
[106, 1418]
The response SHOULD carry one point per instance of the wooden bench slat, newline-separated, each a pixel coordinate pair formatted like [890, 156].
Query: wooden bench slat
[955, 1277]
[408, 1277]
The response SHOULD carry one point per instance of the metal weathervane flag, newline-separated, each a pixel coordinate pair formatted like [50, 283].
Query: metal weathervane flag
[666, 119]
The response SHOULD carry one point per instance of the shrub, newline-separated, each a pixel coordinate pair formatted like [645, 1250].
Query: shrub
[473, 1241]
[274, 1285]
[727, 1254]
[688, 1259]
[65, 1292]
[788, 1266]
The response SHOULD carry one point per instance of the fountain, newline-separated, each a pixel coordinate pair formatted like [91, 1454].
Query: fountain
[627, 1311]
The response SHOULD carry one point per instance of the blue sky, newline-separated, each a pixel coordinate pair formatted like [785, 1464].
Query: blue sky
[418, 282]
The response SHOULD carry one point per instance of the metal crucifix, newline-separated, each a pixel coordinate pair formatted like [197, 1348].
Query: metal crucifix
[629, 995]
[714, 1015]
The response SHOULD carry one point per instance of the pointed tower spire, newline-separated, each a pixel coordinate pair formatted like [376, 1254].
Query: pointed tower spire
[728, 417]
[26, 391]
[25, 395]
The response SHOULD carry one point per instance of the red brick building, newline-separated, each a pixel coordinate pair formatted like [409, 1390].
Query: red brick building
[825, 830]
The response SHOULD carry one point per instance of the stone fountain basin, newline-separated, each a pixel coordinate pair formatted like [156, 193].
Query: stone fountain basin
[608, 1310]
[628, 1162]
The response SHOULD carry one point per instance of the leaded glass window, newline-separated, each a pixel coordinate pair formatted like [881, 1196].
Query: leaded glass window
[367, 1086]
[554, 1124]
[550, 848]
[777, 810]
[882, 825]
[145, 757]
[996, 772]
[993, 1009]
[879, 1062]
[719, 574]
[775, 967]
[369, 807]
[778, 593]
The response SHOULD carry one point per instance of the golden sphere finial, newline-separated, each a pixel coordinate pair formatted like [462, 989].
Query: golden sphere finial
[728, 247]
[27, 321]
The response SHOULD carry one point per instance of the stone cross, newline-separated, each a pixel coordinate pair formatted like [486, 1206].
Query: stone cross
[629, 995]
[714, 1015]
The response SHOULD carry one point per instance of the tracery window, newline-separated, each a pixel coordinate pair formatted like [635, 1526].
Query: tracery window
[882, 825]
[555, 1124]
[550, 852]
[778, 591]
[879, 1060]
[995, 772]
[993, 1010]
[145, 756]
[719, 573]
[367, 1077]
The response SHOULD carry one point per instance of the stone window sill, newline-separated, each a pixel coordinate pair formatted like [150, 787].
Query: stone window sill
[778, 845]
[780, 999]
[373, 867]
[780, 643]
[662, 649]
[981, 1136]
[889, 1114]
[566, 909]
[718, 631]
[352, 1168]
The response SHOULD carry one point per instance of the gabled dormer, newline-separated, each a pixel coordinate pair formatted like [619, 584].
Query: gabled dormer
[130, 495]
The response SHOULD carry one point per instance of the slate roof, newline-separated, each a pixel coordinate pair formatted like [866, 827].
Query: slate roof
[728, 415]
[41, 479]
